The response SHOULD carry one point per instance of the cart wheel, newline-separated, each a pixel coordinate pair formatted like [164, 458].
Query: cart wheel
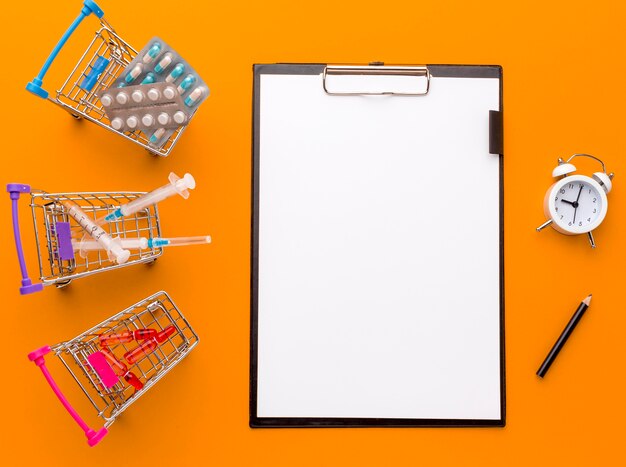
[60, 285]
[152, 153]
[73, 114]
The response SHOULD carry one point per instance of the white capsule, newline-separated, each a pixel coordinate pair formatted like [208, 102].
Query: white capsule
[122, 98]
[137, 96]
[132, 122]
[117, 123]
[154, 94]
[147, 120]
[180, 117]
[106, 100]
[163, 118]
[169, 92]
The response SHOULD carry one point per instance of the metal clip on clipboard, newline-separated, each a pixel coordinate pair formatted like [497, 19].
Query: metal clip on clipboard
[400, 77]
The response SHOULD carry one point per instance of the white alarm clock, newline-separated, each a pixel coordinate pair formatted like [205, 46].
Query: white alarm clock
[576, 204]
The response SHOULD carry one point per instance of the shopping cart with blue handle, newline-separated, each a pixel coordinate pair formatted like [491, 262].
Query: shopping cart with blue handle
[104, 60]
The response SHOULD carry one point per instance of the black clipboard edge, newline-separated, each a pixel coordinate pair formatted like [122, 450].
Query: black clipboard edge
[451, 71]
[295, 422]
[499, 152]
[254, 240]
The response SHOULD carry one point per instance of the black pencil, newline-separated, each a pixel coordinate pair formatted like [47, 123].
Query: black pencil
[545, 366]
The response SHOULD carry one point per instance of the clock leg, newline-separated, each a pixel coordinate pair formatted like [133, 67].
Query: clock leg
[591, 240]
[544, 225]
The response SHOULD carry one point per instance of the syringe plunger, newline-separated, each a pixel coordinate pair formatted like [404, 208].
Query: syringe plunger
[177, 185]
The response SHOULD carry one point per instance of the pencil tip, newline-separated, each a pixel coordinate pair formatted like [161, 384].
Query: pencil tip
[587, 300]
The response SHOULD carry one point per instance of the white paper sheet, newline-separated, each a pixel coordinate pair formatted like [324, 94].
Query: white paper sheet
[379, 265]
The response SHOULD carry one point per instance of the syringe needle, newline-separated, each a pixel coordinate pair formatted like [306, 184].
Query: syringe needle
[143, 243]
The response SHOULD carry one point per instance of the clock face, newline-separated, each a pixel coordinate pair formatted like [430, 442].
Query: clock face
[578, 204]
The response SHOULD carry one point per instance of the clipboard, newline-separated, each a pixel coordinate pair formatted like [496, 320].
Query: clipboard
[377, 250]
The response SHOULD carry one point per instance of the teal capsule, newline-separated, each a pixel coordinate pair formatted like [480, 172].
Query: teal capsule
[165, 62]
[186, 83]
[134, 73]
[175, 74]
[149, 79]
[153, 53]
[194, 96]
[157, 135]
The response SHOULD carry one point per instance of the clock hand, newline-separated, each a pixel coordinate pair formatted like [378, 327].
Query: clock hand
[575, 204]
[575, 209]
[579, 192]
[568, 202]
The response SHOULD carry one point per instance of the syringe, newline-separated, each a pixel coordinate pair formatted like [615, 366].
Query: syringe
[112, 246]
[178, 241]
[143, 243]
[177, 185]
[83, 246]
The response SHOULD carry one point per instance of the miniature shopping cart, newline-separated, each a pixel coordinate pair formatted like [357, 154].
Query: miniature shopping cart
[111, 398]
[59, 264]
[79, 93]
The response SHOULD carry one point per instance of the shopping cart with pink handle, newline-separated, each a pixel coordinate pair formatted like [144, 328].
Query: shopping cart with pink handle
[112, 367]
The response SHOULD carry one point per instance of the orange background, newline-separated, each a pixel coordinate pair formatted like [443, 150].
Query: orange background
[563, 93]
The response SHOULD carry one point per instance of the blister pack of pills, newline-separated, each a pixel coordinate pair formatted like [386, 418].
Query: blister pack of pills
[150, 108]
[157, 66]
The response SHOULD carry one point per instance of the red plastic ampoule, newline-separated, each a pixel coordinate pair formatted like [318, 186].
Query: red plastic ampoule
[121, 369]
[118, 367]
[148, 346]
[133, 380]
[127, 336]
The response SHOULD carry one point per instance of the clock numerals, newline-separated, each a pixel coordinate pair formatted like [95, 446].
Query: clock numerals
[577, 205]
